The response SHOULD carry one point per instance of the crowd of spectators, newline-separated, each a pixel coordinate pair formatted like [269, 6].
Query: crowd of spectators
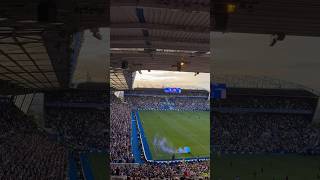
[152, 92]
[81, 128]
[191, 104]
[78, 96]
[169, 103]
[267, 102]
[76, 123]
[263, 132]
[187, 170]
[120, 135]
[144, 102]
[25, 151]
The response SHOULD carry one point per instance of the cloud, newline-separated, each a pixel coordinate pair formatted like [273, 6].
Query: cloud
[159, 79]
[93, 58]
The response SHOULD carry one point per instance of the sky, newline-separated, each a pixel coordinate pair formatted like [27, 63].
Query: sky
[93, 58]
[296, 59]
[160, 79]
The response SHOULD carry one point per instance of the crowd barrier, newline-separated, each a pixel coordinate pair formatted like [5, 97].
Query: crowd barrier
[86, 167]
[144, 142]
[134, 140]
[72, 168]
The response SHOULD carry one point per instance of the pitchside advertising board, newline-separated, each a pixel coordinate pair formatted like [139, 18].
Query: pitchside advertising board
[219, 91]
[172, 90]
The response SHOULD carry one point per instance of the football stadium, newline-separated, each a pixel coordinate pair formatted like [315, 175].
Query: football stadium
[53, 90]
[173, 124]
[265, 114]
[159, 132]
[164, 131]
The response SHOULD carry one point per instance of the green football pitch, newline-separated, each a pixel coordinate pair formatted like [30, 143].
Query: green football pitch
[98, 162]
[266, 167]
[178, 129]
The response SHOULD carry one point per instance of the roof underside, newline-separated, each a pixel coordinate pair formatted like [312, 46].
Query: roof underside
[36, 54]
[25, 61]
[156, 35]
[291, 17]
[117, 79]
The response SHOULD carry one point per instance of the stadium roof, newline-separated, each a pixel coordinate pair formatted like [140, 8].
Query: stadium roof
[119, 79]
[25, 56]
[291, 17]
[156, 35]
[36, 53]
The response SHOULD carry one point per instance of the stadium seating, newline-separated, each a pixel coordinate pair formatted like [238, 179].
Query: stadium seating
[25, 151]
[177, 103]
[255, 121]
[120, 135]
[79, 118]
[193, 170]
[124, 111]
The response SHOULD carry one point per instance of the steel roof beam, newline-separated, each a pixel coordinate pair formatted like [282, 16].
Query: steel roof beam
[33, 61]
[167, 27]
[174, 5]
[162, 39]
[192, 47]
[20, 76]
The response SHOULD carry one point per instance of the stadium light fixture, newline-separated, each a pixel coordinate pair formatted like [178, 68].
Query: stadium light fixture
[231, 8]
[27, 21]
[178, 66]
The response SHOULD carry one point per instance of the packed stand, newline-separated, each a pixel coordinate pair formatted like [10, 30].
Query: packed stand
[120, 147]
[264, 133]
[26, 152]
[191, 104]
[267, 103]
[154, 91]
[81, 128]
[77, 124]
[253, 131]
[120, 135]
[188, 170]
[169, 103]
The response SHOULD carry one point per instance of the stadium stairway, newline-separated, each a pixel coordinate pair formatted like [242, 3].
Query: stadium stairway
[134, 140]
[72, 168]
[86, 167]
